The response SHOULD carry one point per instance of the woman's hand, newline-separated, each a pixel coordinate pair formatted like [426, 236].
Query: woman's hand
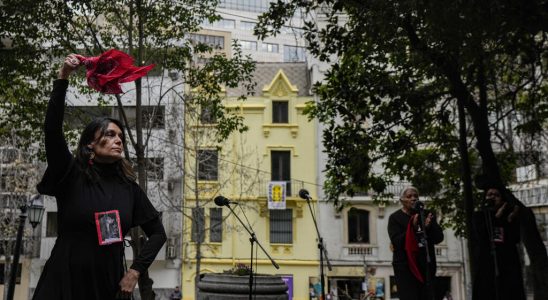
[127, 284]
[500, 211]
[514, 214]
[70, 64]
[415, 218]
[428, 220]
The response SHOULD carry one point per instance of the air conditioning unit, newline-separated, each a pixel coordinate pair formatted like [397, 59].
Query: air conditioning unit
[171, 248]
[526, 173]
[170, 252]
[337, 213]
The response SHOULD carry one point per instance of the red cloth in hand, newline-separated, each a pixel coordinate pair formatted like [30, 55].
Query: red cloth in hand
[106, 71]
[412, 250]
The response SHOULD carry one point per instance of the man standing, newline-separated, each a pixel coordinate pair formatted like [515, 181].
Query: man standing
[410, 247]
[176, 294]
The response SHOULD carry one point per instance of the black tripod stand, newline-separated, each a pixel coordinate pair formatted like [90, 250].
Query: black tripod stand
[493, 248]
[304, 194]
[423, 239]
[222, 201]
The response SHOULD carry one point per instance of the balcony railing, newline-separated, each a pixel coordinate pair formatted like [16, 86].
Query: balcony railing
[292, 187]
[535, 196]
[368, 251]
[441, 252]
[395, 188]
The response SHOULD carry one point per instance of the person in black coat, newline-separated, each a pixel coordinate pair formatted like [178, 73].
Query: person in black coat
[409, 252]
[87, 261]
[495, 234]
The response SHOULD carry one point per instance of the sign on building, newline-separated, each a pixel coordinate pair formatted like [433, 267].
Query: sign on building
[276, 195]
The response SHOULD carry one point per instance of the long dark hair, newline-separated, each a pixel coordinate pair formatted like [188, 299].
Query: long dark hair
[83, 152]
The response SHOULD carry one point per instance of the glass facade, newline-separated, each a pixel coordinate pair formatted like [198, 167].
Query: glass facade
[294, 54]
[246, 5]
[268, 47]
[248, 45]
[225, 23]
[217, 42]
[298, 32]
[245, 25]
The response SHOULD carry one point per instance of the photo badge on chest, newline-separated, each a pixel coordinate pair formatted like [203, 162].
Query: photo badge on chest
[498, 234]
[108, 227]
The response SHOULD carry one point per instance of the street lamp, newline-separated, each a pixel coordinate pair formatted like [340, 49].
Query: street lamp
[35, 208]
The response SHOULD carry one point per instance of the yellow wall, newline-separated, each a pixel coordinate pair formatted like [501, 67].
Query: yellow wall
[21, 289]
[249, 187]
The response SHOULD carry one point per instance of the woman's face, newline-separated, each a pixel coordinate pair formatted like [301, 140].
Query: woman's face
[108, 148]
[409, 198]
[493, 197]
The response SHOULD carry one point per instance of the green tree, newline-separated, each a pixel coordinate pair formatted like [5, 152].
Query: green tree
[36, 35]
[399, 72]
[18, 176]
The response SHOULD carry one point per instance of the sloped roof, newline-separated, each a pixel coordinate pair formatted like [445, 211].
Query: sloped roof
[297, 74]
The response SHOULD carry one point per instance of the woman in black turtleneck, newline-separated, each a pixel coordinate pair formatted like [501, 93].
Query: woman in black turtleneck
[98, 202]
[409, 257]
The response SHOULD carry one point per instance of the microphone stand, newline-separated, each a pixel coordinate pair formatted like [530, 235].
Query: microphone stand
[424, 241]
[252, 240]
[321, 247]
[490, 234]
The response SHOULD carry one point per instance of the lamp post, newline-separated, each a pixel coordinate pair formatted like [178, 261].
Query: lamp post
[35, 209]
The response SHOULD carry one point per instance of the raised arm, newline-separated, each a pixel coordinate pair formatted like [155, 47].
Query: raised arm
[57, 152]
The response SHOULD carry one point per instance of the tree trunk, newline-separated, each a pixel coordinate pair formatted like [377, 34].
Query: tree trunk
[145, 282]
[7, 271]
[198, 226]
[480, 122]
[466, 178]
[530, 235]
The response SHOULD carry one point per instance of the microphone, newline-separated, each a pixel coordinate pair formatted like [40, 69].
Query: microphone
[222, 201]
[304, 194]
[418, 206]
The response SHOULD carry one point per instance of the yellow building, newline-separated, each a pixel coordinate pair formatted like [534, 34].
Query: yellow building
[21, 282]
[280, 146]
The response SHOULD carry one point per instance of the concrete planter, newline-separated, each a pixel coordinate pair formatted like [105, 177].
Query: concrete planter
[214, 286]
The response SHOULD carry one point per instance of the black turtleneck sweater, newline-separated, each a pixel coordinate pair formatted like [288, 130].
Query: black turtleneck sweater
[83, 264]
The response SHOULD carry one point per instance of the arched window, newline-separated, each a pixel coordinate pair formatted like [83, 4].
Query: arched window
[358, 226]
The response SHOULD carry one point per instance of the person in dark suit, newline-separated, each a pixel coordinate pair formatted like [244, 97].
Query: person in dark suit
[495, 234]
[409, 247]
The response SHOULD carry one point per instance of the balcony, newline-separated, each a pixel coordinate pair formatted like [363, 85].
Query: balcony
[395, 188]
[534, 196]
[361, 250]
[292, 187]
[441, 253]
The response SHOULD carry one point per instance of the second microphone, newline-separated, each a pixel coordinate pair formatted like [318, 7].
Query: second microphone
[223, 201]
